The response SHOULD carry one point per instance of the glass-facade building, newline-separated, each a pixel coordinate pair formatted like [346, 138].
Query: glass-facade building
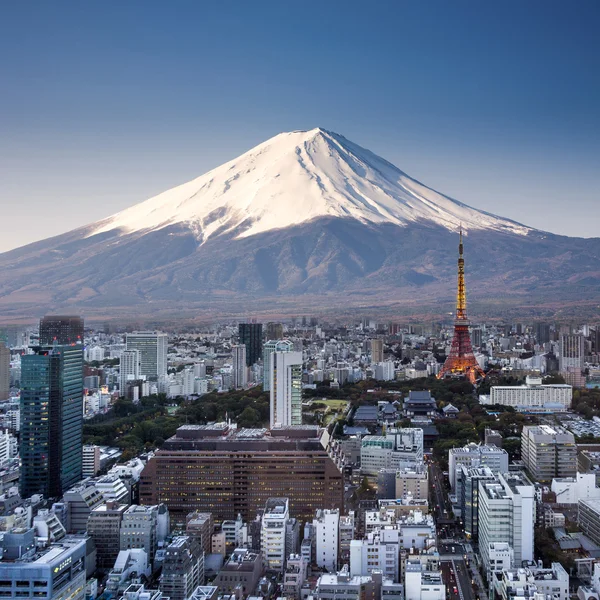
[51, 420]
[152, 348]
[250, 335]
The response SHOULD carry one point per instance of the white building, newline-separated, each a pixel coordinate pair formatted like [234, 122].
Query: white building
[374, 553]
[412, 481]
[268, 349]
[532, 396]
[421, 584]
[476, 455]
[272, 533]
[398, 449]
[90, 460]
[152, 346]
[552, 582]
[507, 514]
[501, 557]
[326, 536]
[95, 353]
[384, 371]
[286, 388]
[239, 369]
[129, 369]
[569, 490]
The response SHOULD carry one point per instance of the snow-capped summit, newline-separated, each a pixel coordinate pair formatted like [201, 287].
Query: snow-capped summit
[296, 177]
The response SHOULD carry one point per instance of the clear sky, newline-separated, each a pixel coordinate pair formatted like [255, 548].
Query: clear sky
[103, 104]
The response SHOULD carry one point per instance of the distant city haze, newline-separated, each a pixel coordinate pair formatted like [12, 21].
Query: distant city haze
[105, 106]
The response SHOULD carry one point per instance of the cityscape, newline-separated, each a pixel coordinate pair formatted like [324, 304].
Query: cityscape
[300, 301]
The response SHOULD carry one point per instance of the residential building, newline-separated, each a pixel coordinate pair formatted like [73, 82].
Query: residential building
[61, 330]
[501, 557]
[326, 536]
[572, 352]
[239, 368]
[104, 527]
[247, 467]
[51, 407]
[376, 351]
[507, 514]
[272, 533]
[130, 566]
[250, 334]
[347, 531]
[294, 576]
[129, 368]
[273, 345]
[152, 348]
[90, 461]
[182, 569]
[113, 489]
[548, 452]
[475, 455]
[286, 388]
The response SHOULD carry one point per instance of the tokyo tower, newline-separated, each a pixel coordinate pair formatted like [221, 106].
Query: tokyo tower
[461, 360]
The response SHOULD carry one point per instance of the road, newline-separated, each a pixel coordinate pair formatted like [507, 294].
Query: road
[457, 578]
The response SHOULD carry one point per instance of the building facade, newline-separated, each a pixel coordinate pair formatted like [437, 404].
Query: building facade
[152, 348]
[273, 345]
[61, 329]
[548, 452]
[250, 334]
[286, 388]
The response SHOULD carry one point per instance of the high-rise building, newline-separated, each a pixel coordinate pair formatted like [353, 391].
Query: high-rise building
[475, 455]
[542, 333]
[326, 528]
[51, 420]
[272, 533]
[273, 345]
[285, 374]
[548, 452]
[240, 370]
[274, 331]
[129, 369]
[225, 471]
[104, 527]
[376, 351]
[250, 335]
[61, 329]
[183, 568]
[152, 346]
[4, 372]
[91, 461]
[572, 351]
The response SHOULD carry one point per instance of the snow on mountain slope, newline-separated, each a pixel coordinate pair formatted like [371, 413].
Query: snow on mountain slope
[296, 177]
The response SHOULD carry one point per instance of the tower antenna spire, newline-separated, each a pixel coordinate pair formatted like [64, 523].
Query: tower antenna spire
[461, 360]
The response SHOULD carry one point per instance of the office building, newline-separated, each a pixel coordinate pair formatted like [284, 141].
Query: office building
[475, 455]
[200, 526]
[294, 577]
[239, 369]
[506, 514]
[61, 330]
[531, 397]
[398, 449]
[548, 452]
[226, 471]
[285, 375]
[90, 460]
[79, 502]
[420, 583]
[241, 573]
[104, 527]
[144, 527]
[250, 335]
[57, 572]
[532, 582]
[413, 481]
[152, 348]
[4, 372]
[588, 518]
[274, 331]
[326, 534]
[183, 568]
[51, 420]
[569, 490]
[344, 586]
[272, 533]
[469, 498]
[376, 351]
[273, 345]
[572, 352]
[542, 333]
[347, 531]
[129, 370]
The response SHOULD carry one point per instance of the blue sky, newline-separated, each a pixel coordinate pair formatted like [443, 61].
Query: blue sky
[105, 104]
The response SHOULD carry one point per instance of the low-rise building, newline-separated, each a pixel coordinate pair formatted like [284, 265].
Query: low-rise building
[241, 572]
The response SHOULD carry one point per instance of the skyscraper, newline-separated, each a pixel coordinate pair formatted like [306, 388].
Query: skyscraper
[51, 420]
[4, 371]
[251, 336]
[572, 351]
[62, 329]
[542, 333]
[270, 347]
[129, 369]
[152, 346]
[274, 331]
[376, 351]
[240, 370]
[461, 360]
[286, 388]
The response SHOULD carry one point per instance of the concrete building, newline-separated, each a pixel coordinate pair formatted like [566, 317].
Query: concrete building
[326, 536]
[152, 348]
[475, 455]
[377, 552]
[239, 368]
[286, 388]
[548, 452]
[112, 489]
[144, 527]
[532, 582]
[272, 533]
[344, 586]
[57, 572]
[501, 557]
[347, 530]
[588, 519]
[569, 490]
[129, 369]
[412, 481]
[506, 514]
[200, 526]
[572, 352]
[421, 584]
[294, 576]
[240, 573]
[90, 460]
[398, 449]
[376, 351]
[469, 497]
[183, 568]
[104, 527]
[4, 372]
[248, 465]
[79, 502]
[273, 345]
[532, 396]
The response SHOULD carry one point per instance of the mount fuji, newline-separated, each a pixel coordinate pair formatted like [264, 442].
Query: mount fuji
[307, 221]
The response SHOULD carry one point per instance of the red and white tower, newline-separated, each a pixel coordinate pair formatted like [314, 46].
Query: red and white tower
[461, 360]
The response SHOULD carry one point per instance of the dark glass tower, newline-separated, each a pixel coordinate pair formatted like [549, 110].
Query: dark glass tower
[51, 420]
[60, 329]
[251, 336]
